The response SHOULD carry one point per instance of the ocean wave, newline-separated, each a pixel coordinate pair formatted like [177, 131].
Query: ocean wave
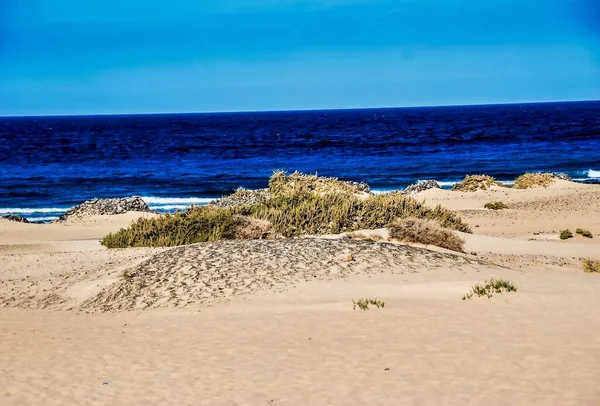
[169, 207]
[48, 218]
[11, 210]
[593, 174]
[151, 200]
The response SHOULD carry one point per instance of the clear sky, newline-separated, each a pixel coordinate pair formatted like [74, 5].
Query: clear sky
[134, 56]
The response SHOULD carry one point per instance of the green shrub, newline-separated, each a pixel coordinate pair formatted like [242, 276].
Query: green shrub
[489, 288]
[425, 232]
[584, 233]
[495, 206]
[294, 208]
[565, 234]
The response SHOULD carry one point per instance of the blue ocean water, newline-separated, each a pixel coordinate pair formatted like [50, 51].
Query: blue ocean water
[48, 164]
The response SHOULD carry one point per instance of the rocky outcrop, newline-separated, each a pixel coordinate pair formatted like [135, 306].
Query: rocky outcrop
[360, 186]
[97, 207]
[14, 217]
[562, 176]
[422, 185]
[242, 197]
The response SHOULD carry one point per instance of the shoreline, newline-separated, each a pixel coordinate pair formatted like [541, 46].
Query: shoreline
[170, 204]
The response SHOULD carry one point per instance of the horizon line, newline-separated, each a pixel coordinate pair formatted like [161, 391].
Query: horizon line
[299, 110]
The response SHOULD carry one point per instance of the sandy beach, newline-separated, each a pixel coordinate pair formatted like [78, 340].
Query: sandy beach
[272, 321]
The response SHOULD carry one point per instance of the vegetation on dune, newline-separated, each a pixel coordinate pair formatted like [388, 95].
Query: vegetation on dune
[495, 206]
[489, 288]
[566, 234]
[473, 183]
[363, 304]
[425, 232]
[584, 233]
[591, 265]
[534, 180]
[298, 205]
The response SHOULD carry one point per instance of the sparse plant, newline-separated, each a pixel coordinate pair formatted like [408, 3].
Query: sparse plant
[363, 304]
[584, 233]
[591, 265]
[489, 288]
[565, 234]
[495, 206]
[425, 232]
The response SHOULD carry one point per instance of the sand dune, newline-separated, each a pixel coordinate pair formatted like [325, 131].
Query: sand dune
[272, 322]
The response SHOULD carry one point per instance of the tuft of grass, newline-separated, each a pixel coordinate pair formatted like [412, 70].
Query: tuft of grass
[584, 233]
[591, 265]
[495, 205]
[293, 208]
[489, 288]
[473, 183]
[565, 234]
[425, 232]
[363, 304]
[534, 180]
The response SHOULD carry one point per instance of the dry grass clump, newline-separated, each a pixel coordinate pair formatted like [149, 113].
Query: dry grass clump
[294, 208]
[473, 183]
[489, 288]
[591, 265]
[584, 233]
[565, 234]
[534, 180]
[425, 232]
[363, 304]
[495, 206]
[197, 224]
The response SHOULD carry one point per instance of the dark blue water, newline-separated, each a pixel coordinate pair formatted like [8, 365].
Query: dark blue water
[52, 163]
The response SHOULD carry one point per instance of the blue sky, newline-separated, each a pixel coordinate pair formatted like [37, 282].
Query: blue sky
[134, 56]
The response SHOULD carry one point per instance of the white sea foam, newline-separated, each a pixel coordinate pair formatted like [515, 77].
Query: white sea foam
[11, 210]
[150, 200]
[168, 207]
[48, 218]
[593, 174]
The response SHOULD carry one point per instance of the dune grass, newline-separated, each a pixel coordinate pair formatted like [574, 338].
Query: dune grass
[425, 232]
[591, 265]
[495, 206]
[489, 288]
[534, 180]
[473, 183]
[584, 233]
[363, 304]
[295, 207]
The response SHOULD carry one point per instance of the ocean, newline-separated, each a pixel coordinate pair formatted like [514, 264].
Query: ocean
[48, 164]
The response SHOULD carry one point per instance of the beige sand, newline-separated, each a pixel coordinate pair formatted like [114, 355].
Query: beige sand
[271, 322]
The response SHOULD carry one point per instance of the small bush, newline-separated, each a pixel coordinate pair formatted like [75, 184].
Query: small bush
[584, 233]
[591, 265]
[565, 234]
[425, 232]
[495, 206]
[472, 183]
[489, 288]
[534, 180]
[363, 304]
